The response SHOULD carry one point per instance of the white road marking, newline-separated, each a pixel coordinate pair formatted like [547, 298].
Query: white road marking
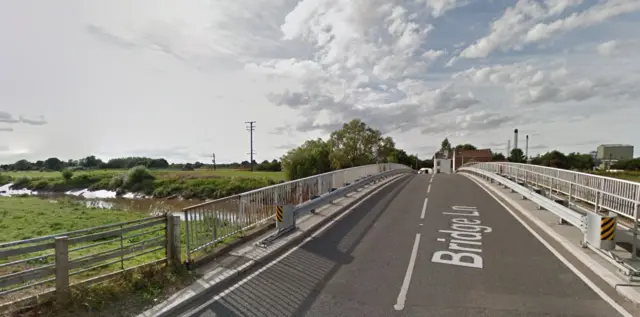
[424, 208]
[264, 268]
[429, 188]
[402, 297]
[562, 259]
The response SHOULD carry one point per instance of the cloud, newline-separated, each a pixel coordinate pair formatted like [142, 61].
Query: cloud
[179, 79]
[533, 84]
[6, 129]
[618, 48]
[38, 121]
[471, 122]
[7, 117]
[407, 112]
[523, 23]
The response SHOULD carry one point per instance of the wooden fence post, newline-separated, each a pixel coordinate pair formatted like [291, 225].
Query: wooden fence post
[62, 268]
[173, 251]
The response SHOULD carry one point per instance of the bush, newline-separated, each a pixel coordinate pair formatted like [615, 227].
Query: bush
[116, 182]
[67, 174]
[138, 179]
[5, 179]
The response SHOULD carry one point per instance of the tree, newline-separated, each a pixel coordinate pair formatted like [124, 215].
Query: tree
[498, 157]
[53, 163]
[445, 145]
[355, 144]
[400, 157]
[517, 156]
[90, 162]
[22, 165]
[629, 165]
[465, 147]
[384, 149]
[309, 159]
[580, 161]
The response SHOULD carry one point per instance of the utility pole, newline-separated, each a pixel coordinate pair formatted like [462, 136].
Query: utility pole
[213, 159]
[251, 128]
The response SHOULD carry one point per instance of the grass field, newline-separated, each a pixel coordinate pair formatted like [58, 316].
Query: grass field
[197, 184]
[627, 175]
[161, 173]
[29, 217]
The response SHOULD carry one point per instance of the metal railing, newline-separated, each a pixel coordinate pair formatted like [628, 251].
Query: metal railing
[51, 263]
[35, 268]
[212, 222]
[599, 192]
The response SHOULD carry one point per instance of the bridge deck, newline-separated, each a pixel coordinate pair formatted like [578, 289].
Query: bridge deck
[359, 266]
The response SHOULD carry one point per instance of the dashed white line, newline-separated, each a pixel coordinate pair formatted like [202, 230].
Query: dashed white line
[424, 208]
[429, 188]
[402, 297]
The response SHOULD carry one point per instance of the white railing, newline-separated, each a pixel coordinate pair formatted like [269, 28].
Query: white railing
[602, 193]
[212, 222]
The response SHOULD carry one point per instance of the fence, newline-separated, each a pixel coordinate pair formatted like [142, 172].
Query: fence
[209, 223]
[51, 264]
[42, 265]
[602, 193]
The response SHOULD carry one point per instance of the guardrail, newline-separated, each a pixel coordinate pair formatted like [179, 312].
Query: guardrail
[604, 194]
[568, 215]
[595, 197]
[210, 223]
[49, 265]
[42, 265]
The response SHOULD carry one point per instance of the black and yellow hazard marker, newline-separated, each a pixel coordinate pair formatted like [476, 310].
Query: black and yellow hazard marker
[607, 228]
[279, 213]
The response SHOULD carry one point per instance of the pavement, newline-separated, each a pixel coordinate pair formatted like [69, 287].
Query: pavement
[221, 272]
[460, 253]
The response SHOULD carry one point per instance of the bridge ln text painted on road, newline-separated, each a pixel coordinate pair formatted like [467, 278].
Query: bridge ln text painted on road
[465, 238]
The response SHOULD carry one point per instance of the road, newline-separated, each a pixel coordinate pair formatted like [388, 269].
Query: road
[387, 257]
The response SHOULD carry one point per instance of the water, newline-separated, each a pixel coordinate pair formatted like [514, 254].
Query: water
[152, 207]
[6, 191]
[104, 199]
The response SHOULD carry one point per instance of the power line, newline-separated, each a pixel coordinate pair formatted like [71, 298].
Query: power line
[251, 128]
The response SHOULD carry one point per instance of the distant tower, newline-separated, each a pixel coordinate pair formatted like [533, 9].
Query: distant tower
[515, 138]
[526, 147]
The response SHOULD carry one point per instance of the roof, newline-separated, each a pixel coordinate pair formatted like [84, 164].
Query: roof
[475, 153]
[616, 145]
[441, 155]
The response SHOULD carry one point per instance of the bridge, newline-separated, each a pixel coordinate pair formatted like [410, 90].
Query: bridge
[492, 239]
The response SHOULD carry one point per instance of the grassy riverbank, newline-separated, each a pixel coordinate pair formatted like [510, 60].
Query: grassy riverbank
[199, 184]
[126, 295]
[163, 173]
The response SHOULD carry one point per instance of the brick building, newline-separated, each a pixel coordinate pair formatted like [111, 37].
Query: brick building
[465, 156]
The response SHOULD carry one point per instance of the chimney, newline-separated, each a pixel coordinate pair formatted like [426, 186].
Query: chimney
[515, 138]
[526, 145]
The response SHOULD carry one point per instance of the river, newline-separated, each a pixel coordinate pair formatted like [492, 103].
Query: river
[104, 199]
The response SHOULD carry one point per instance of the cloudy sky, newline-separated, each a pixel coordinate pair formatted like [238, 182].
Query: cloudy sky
[179, 78]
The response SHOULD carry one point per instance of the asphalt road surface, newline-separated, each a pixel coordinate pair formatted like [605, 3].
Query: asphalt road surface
[388, 257]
